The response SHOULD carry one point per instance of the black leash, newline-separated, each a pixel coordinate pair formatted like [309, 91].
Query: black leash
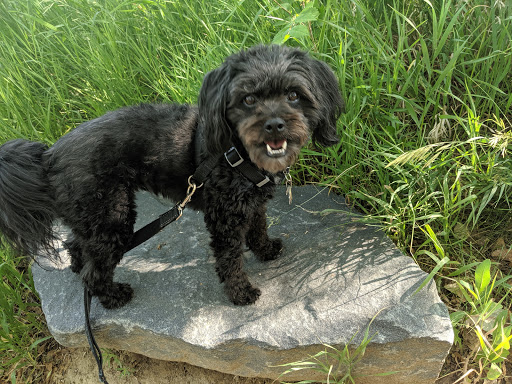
[166, 218]
[233, 157]
[95, 349]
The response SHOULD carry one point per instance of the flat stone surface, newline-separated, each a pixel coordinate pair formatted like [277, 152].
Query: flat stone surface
[335, 278]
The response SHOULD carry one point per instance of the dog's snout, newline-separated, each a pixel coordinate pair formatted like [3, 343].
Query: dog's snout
[275, 124]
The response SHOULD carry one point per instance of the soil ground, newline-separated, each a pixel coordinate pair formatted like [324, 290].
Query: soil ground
[77, 366]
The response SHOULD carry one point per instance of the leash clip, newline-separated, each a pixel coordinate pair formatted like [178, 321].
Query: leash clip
[192, 187]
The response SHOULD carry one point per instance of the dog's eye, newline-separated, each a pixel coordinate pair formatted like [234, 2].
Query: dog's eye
[249, 100]
[293, 96]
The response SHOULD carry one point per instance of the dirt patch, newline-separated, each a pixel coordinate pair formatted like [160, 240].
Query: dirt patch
[77, 366]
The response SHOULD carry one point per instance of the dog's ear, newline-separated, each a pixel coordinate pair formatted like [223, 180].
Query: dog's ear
[212, 102]
[331, 104]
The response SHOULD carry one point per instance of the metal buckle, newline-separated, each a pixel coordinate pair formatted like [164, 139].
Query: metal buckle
[229, 153]
[263, 182]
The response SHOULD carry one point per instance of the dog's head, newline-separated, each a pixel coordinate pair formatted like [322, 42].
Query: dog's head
[271, 99]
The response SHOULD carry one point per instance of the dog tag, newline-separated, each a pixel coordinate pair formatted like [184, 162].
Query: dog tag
[288, 179]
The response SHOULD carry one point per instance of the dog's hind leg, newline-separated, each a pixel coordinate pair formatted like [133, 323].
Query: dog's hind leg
[102, 233]
[98, 275]
[75, 252]
[101, 254]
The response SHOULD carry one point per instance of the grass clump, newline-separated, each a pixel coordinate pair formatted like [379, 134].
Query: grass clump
[426, 136]
[22, 325]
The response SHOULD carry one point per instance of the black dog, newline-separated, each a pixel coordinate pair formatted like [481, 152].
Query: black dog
[266, 102]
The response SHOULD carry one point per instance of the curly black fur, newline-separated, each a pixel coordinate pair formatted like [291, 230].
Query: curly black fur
[266, 101]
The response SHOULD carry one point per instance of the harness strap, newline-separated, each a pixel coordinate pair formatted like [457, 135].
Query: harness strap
[234, 159]
[204, 169]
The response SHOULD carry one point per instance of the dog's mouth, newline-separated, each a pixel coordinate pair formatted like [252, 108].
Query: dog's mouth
[276, 148]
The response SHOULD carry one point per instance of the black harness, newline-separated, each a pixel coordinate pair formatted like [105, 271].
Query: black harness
[233, 157]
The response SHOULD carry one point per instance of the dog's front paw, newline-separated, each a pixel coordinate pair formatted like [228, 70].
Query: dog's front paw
[242, 294]
[271, 251]
[117, 296]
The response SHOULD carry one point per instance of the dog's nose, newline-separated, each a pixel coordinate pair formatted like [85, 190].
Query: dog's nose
[275, 124]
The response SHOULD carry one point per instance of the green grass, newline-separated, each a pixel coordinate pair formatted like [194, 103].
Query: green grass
[22, 326]
[426, 137]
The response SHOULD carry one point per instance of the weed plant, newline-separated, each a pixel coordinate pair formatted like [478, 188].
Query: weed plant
[426, 136]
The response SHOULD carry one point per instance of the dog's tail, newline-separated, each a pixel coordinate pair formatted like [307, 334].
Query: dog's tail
[26, 207]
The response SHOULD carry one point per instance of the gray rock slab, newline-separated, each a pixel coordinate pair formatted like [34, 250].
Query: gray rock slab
[336, 278]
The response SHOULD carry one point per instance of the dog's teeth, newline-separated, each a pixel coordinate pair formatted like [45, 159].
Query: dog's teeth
[280, 151]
